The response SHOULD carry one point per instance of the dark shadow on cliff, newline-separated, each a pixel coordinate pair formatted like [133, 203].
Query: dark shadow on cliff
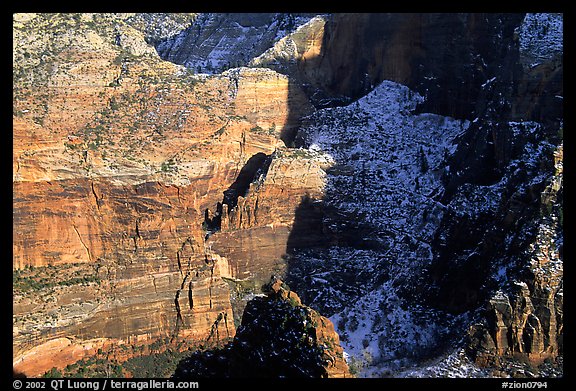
[308, 228]
[256, 166]
[448, 59]
[444, 57]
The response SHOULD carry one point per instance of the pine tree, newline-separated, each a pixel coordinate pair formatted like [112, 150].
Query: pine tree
[422, 160]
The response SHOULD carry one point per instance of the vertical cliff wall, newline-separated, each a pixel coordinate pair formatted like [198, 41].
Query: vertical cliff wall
[117, 156]
[423, 205]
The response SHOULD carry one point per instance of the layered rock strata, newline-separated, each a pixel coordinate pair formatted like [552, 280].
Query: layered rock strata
[117, 157]
[141, 188]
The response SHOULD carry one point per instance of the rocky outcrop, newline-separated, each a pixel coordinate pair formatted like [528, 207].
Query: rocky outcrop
[526, 320]
[278, 337]
[219, 41]
[117, 156]
[158, 27]
[254, 233]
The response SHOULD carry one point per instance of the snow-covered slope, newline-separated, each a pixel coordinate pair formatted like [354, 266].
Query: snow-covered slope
[216, 42]
[380, 203]
[382, 208]
[541, 36]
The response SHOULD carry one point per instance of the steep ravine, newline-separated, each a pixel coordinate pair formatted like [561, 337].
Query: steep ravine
[402, 172]
[492, 168]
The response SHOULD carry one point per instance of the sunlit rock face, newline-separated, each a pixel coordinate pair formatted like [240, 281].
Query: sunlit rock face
[401, 172]
[117, 156]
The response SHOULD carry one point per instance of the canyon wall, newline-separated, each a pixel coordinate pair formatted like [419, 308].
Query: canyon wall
[117, 157]
[147, 195]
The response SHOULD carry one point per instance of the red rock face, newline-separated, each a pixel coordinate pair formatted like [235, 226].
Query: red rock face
[527, 322]
[255, 234]
[117, 156]
[121, 159]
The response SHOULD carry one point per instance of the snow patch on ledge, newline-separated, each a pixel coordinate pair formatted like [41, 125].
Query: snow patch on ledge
[541, 36]
[384, 184]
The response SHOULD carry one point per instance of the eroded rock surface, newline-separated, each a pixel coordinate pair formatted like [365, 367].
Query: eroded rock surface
[278, 337]
[151, 202]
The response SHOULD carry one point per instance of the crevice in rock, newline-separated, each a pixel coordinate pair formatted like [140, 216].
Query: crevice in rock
[210, 286]
[188, 240]
[154, 283]
[83, 244]
[185, 275]
[214, 330]
[254, 171]
[135, 240]
[137, 229]
[256, 166]
[96, 198]
[179, 318]
[179, 262]
[190, 298]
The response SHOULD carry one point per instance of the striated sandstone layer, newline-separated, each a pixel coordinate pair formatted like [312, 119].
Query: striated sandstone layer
[117, 155]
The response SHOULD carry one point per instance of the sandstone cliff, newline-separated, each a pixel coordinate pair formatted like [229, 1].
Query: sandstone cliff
[423, 205]
[279, 338]
[117, 156]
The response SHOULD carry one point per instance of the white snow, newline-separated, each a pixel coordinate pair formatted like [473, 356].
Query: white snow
[384, 184]
[228, 45]
[455, 365]
[524, 127]
[386, 157]
[541, 35]
[488, 82]
[387, 168]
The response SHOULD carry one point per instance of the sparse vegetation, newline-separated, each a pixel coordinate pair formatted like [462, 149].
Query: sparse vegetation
[156, 360]
[302, 153]
[91, 367]
[157, 365]
[267, 132]
[168, 166]
[422, 161]
[124, 57]
[353, 324]
[53, 373]
[31, 279]
[293, 302]
[220, 131]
